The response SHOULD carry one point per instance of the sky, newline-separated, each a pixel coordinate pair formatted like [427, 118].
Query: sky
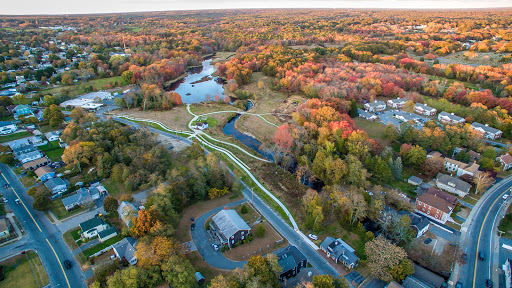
[38, 7]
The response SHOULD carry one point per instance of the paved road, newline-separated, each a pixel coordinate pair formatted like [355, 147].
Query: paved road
[481, 236]
[41, 235]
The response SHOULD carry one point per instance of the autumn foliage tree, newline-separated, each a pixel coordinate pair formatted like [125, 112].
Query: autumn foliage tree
[382, 257]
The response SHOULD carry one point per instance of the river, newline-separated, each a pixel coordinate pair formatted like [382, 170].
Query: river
[200, 86]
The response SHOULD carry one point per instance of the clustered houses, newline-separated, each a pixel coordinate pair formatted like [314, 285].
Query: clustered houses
[452, 184]
[339, 251]
[84, 196]
[435, 204]
[228, 227]
[486, 131]
[452, 165]
[424, 109]
[396, 103]
[450, 118]
[375, 106]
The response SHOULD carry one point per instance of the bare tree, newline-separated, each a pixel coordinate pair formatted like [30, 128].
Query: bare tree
[482, 180]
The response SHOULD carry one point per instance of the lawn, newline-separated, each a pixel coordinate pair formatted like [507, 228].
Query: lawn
[212, 122]
[251, 214]
[69, 237]
[18, 271]
[55, 154]
[58, 209]
[18, 170]
[404, 187]
[115, 189]
[50, 146]
[102, 246]
[14, 136]
[75, 90]
[27, 181]
[374, 129]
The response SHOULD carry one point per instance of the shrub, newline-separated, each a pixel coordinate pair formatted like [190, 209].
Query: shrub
[32, 191]
[249, 237]
[244, 209]
[260, 231]
[7, 158]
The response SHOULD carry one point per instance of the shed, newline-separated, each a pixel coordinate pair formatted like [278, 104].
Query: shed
[415, 180]
[199, 278]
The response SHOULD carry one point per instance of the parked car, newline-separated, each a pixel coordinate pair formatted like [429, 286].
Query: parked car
[488, 283]
[481, 256]
[5, 200]
[67, 264]
[6, 186]
[215, 246]
[505, 197]
[17, 201]
[464, 258]
[428, 240]
[192, 226]
[313, 236]
[459, 285]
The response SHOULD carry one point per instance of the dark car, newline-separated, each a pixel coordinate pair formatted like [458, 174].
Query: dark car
[464, 258]
[488, 283]
[67, 264]
[192, 226]
[481, 256]
[428, 240]
[6, 186]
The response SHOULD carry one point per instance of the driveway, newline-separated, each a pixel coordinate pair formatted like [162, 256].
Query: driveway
[204, 246]
[75, 221]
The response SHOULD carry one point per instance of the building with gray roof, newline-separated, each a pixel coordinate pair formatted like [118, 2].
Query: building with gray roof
[486, 131]
[291, 260]
[125, 249]
[228, 227]
[56, 185]
[339, 251]
[452, 184]
[80, 198]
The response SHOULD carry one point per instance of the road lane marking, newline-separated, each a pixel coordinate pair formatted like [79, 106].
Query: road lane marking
[480, 234]
[58, 260]
[30, 214]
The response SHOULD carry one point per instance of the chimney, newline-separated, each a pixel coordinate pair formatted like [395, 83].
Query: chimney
[486, 125]
[452, 114]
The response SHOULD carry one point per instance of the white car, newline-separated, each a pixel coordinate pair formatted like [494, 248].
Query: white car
[5, 200]
[313, 236]
[215, 247]
[505, 197]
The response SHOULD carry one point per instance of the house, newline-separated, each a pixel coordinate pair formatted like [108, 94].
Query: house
[44, 173]
[107, 234]
[475, 155]
[424, 109]
[125, 249]
[97, 191]
[450, 118]
[4, 229]
[38, 113]
[80, 198]
[460, 168]
[413, 180]
[52, 136]
[201, 125]
[419, 223]
[37, 141]
[413, 282]
[506, 161]
[486, 131]
[291, 260]
[406, 117]
[366, 115]
[18, 143]
[339, 251]
[92, 227]
[393, 284]
[452, 184]
[434, 154]
[127, 211]
[20, 110]
[434, 204]
[375, 106]
[23, 149]
[396, 103]
[7, 127]
[56, 185]
[33, 165]
[30, 156]
[228, 227]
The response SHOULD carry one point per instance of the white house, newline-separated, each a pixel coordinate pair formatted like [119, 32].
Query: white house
[506, 161]
[460, 168]
[30, 156]
[92, 227]
[56, 185]
[450, 118]
[375, 106]
[52, 136]
[201, 125]
[486, 131]
[424, 109]
[366, 115]
[396, 103]
[36, 141]
[7, 127]
[80, 198]
[127, 211]
[452, 184]
[125, 249]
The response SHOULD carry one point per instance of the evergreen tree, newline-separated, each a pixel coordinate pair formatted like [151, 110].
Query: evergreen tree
[397, 168]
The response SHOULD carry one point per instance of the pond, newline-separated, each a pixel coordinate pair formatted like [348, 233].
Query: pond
[199, 85]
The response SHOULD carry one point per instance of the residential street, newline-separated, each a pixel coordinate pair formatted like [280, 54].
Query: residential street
[40, 235]
[481, 236]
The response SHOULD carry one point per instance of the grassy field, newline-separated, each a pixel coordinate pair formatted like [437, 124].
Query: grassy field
[14, 136]
[25, 271]
[176, 119]
[69, 237]
[79, 89]
[212, 122]
[58, 209]
[374, 129]
[102, 245]
[56, 154]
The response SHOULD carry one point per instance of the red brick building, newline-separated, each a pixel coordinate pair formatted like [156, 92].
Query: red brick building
[436, 204]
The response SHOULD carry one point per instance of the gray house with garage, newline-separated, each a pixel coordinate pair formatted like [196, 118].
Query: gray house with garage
[228, 227]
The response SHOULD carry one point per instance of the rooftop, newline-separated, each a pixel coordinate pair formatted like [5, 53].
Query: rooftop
[229, 222]
[453, 182]
[436, 202]
[91, 223]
